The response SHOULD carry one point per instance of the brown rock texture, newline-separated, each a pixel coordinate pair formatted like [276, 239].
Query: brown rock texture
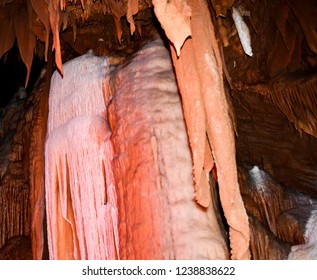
[14, 185]
[21, 200]
[38, 117]
[277, 214]
[267, 139]
[17, 248]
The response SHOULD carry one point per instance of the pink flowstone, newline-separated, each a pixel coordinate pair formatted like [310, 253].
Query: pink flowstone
[80, 195]
[125, 190]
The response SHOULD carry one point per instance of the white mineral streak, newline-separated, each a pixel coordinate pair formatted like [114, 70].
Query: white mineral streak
[243, 31]
[308, 250]
[260, 181]
[256, 176]
[80, 194]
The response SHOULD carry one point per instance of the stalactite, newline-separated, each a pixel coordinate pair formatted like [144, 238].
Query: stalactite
[203, 57]
[194, 114]
[7, 33]
[55, 22]
[174, 17]
[118, 26]
[26, 40]
[41, 9]
[243, 31]
[219, 128]
[133, 8]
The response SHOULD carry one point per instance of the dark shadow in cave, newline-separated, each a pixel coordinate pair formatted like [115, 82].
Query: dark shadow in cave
[13, 74]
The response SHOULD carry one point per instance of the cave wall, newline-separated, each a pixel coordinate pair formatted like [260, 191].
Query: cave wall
[14, 194]
[260, 124]
[17, 126]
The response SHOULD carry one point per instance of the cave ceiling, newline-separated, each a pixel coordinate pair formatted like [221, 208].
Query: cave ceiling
[283, 32]
[281, 35]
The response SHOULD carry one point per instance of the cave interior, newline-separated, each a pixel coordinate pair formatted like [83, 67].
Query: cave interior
[269, 75]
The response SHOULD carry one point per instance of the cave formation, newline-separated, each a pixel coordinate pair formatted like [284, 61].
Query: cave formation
[158, 129]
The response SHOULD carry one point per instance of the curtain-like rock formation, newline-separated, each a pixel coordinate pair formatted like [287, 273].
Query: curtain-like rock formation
[80, 194]
[158, 217]
[36, 163]
[273, 93]
[152, 185]
[206, 112]
[14, 187]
